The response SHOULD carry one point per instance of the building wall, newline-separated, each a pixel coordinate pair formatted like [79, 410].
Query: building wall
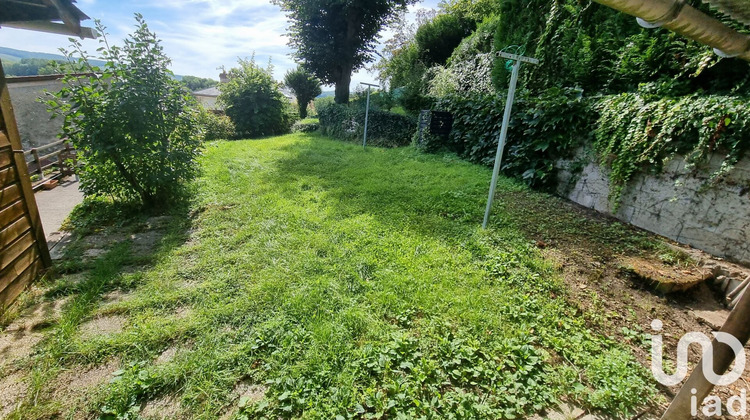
[208, 102]
[676, 204]
[34, 122]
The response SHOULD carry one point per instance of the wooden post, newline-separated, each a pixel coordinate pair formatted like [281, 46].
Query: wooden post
[38, 163]
[6, 108]
[738, 325]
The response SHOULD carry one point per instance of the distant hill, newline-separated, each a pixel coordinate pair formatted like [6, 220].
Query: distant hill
[17, 55]
[10, 55]
[327, 94]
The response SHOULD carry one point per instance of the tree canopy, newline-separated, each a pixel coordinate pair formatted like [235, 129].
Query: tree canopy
[333, 38]
[198, 83]
[305, 86]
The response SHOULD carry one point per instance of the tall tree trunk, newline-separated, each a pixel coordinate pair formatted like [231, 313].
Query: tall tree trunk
[302, 109]
[342, 85]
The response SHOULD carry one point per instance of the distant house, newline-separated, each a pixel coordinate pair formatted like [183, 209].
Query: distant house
[208, 97]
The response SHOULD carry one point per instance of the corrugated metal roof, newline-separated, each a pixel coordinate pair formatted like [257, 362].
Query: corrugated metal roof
[738, 10]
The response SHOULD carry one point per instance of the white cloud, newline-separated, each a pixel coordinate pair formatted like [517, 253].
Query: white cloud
[199, 35]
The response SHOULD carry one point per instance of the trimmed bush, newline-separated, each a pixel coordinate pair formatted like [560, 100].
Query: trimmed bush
[306, 126]
[385, 129]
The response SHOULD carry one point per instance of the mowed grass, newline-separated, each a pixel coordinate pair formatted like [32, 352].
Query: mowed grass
[343, 283]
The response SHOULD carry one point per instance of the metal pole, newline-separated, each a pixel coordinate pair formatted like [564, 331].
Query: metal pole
[501, 141]
[367, 117]
[737, 325]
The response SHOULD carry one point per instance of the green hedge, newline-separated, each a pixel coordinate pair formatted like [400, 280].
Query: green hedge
[631, 132]
[307, 125]
[542, 130]
[385, 129]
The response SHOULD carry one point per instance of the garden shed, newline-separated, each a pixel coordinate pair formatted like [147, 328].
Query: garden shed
[23, 247]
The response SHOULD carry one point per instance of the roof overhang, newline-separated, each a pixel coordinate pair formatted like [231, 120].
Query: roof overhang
[52, 16]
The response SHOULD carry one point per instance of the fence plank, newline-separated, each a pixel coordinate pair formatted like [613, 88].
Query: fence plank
[14, 250]
[14, 231]
[7, 176]
[11, 213]
[9, 195]
[11, 291]
[17, 267]
[6, 157]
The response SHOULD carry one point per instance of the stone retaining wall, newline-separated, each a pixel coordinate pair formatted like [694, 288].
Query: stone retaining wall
[676, 204]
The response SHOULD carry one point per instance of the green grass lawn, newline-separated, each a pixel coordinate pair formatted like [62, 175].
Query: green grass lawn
[342, 283]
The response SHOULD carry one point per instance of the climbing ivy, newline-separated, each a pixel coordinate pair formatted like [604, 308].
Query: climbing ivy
[643, 130]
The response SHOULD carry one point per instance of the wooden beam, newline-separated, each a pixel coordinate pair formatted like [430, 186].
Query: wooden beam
[52, 28]
[67, 17]
[6, 109]
[737, 325]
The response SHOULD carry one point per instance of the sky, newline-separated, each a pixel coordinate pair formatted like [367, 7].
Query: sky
[198, 35]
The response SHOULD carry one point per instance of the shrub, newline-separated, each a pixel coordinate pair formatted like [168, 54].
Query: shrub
[216, 126]
[384, 129]
[134, 126]
[254, 103]
[542, 130]
[306, 126]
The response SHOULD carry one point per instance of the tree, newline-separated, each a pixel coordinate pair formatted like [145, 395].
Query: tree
[253, 101]
[438, 38]
[29, 67]
[333, 38]
[305, 86]
[197, 83]
[134, 126]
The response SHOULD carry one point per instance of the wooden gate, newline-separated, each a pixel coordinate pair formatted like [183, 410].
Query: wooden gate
[23, 247]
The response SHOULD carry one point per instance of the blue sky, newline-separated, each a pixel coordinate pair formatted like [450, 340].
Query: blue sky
[198, 35]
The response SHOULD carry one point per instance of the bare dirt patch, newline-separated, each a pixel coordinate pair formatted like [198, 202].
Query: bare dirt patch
[103, 325]
[596, 254]
[13, 389]
[116, 296]
[17, 344]
[77, 382]
[166, 356]
[166, 407]
[247, 393]
[144, 243]
[183, 312]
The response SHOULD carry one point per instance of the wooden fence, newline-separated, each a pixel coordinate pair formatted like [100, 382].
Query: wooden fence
[52, 165]
[23, 247]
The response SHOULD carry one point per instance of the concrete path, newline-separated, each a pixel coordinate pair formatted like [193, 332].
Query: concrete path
[54, 207]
